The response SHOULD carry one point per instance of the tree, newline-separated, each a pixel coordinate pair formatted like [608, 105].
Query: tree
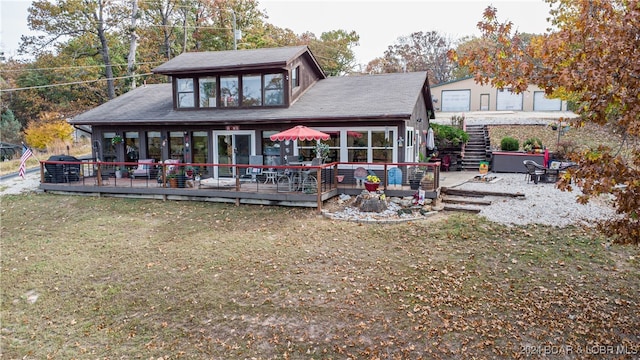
[51, 128]
[419, 51]
[74, 18]
[591, 56]
[333, 50]
[10, 127]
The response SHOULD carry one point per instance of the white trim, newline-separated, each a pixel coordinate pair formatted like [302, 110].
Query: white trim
[344, 152]
[216, 133]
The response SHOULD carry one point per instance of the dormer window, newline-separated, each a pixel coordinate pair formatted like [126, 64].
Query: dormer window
[229, 86]
[273, 89]
[295, 77]
[252, 90]
[185, 93]
[230, 91]
[208, 91]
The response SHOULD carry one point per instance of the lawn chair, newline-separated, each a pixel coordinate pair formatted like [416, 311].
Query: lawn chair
[446, 163]
[535, 171]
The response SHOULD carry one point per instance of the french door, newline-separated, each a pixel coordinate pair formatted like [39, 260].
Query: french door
[232, 148]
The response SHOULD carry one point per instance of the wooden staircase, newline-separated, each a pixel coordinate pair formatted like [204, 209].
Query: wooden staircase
[476, 148]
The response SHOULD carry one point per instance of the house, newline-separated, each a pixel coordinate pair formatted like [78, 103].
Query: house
[466, 95]
[221, 108]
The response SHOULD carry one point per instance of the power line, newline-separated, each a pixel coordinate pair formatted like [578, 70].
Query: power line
[77, 67]
[73, 83]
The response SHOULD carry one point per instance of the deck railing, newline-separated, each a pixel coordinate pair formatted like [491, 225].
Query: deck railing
[276, 183]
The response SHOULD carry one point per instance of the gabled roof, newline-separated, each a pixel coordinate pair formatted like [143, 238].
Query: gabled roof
[234, 60]
[345, 98]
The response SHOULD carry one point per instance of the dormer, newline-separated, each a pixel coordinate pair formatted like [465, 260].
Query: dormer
[241, 79]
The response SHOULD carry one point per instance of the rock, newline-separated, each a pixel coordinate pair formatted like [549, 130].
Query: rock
[373, 205]
[406, 203]
[343, 198]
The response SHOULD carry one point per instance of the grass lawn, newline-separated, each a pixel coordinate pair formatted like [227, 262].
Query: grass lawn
[109, 278]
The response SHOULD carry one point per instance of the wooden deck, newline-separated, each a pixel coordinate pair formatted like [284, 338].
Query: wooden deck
[257, 191]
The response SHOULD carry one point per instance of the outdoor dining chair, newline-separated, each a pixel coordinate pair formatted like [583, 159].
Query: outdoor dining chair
[535, 171]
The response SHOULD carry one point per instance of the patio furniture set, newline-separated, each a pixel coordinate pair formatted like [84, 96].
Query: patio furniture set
[539, 173]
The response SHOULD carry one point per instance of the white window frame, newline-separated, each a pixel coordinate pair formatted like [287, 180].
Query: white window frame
[344, 153]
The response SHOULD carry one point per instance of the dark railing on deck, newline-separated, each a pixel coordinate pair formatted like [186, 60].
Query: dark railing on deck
[240, 179]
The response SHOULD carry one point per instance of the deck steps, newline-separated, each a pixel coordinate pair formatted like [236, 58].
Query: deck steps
[478, 193]
[462, 208]
[476, 148]
[465, 200]
[470, 201]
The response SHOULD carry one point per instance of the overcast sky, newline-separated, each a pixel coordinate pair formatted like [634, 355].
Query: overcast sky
[379, 23]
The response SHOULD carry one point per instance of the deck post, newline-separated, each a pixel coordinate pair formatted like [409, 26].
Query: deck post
[386, 178]
[237, 183]
[319, 188]
[99, 175]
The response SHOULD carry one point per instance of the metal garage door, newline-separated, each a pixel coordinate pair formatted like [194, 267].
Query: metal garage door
[542, 103]
[456, 100]
[506, 100]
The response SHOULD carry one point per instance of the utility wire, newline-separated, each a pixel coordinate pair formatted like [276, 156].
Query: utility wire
[72, 83]
[77, 67]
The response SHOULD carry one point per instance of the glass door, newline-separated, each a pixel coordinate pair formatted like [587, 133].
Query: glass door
[232, 148]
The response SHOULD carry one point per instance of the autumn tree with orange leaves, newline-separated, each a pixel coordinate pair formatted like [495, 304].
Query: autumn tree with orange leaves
[589, 56]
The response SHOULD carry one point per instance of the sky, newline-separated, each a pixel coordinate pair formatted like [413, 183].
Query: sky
[378, 23]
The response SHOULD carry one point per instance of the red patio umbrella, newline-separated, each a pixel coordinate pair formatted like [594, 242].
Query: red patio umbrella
[300, 133]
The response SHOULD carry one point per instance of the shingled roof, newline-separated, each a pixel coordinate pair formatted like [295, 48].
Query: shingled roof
[346, 98]
[234, 60]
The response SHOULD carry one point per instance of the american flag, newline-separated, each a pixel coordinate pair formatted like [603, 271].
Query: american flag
[26, 154]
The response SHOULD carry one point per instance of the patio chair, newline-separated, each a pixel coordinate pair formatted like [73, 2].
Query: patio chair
[535, 171]
[145, 169]
[251, 174]
[446, 163]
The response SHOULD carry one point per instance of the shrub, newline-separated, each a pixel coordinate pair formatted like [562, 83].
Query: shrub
[509, 144]
[446, 135]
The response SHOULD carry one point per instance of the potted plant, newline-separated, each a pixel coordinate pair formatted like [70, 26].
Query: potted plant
[173, 180]
[414, 176]
[533, 145]
[372, 183]
[427, 181]
[118, 172]
[117, 139]
[322, 151]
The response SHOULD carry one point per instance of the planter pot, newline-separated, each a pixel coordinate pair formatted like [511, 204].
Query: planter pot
[118, 174]
[371, 186]
[427, 185]
[512, 162]
[173, 182]
[414, 184]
